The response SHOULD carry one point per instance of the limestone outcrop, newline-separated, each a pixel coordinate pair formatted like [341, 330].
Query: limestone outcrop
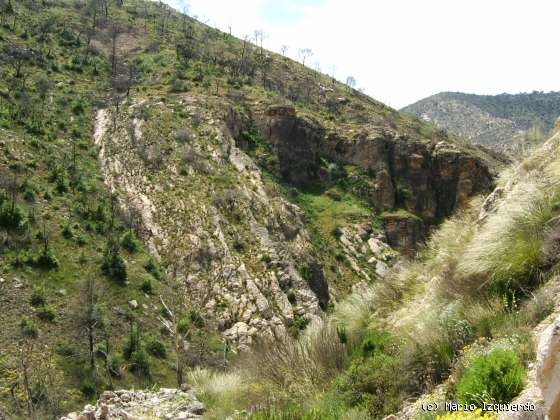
[165, 404]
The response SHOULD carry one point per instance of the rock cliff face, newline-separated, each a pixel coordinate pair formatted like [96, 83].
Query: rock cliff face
[428, 179]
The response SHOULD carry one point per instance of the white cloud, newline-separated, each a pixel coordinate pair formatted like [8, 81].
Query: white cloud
[403, 50]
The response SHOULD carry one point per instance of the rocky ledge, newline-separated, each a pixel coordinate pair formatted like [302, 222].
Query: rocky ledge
[165, 404]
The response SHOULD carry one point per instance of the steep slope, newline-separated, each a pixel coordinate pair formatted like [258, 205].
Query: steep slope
[504, 122]
[170, 193]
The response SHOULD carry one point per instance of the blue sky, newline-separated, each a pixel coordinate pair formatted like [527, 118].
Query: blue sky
[400, 51]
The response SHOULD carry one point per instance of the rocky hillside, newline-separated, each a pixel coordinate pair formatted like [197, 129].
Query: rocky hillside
[171, 194]
[469, 330]
[508, 123]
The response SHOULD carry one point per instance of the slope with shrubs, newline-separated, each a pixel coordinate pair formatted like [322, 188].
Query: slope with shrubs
[511, 123]
[77, 287]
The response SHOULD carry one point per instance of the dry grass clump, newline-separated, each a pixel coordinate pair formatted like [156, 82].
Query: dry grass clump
[506, 254]
[354, 313]
[303, 365]
[223, 392]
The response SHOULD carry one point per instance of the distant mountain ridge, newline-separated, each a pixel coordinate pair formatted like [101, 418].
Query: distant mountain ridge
[505, 122]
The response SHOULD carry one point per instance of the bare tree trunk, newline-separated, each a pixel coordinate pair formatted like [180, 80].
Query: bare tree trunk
[26, 352]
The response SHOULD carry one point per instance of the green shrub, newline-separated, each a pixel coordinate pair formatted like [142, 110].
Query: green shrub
[377, 383]
[147, 286]
[115, 366]
[496, 377]
[129, 242]
[133, 343]
[336, 232]
[184, 325]
[375, 342]
[46, 313]
[90, 383]
[251, 138]
[78, 107]
[300, 323]
[45, 260]
[11, 217]
[30, 196]
[139, 362]
[38, 297]
[28, 328]
[61, 184]
[153, 269]
[196, 318]
[376, 377]
[135, 353]
[67, 231]
[156, 348]
[112, 264]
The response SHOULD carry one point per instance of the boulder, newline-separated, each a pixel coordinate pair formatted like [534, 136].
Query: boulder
[548, 368]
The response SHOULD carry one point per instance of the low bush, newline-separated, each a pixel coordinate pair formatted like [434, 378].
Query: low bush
[135, 352]
[45, 260]
[336, 232]
[91, 382]
[376, 382]
[376, 377]
[156, 348]
[300, 323]
[115, 366]
[28, 328]
[139, 362]
[147, 286]
[112, 264]
[496, 377]
[152, 268]
[67, 231]
[46, 313]
[11, 217]
[38, 297]
[129, 242]
[375, 342]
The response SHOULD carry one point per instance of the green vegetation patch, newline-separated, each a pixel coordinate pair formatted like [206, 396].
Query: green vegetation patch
[496, 377]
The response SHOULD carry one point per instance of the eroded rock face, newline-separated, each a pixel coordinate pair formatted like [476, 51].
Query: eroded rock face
[296, 142]
[426, 178]
[204, 211]
[403, 232]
